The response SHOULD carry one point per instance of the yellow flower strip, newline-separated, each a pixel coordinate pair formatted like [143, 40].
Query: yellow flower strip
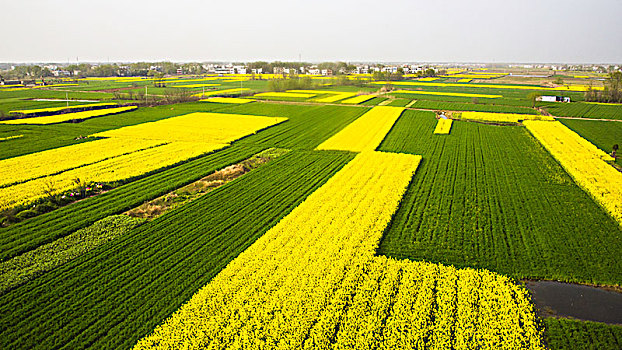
[584, 162]
[228, 100]
[502, 117]
[14, 89]
[465, 80]
[335, 96]
[605, 103]
[53, 85]
[56, 109]
[475, 76]
[285, 94]
[56, 160]
[492, 86]
[366, 132]
[443, 126]
[107, 160]
[358, 99]
[194, 85]
[59, 118]
[215, 128]
[444, 93]
[113, 169]
[11, 137]
[223, 92]
[313, 282]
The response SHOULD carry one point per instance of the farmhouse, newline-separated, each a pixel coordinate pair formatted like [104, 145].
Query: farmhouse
[553, 99]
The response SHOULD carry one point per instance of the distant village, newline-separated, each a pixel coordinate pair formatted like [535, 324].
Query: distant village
[24, 71]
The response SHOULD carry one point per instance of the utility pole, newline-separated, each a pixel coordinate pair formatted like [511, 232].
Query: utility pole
[67, 98]
[145, 93]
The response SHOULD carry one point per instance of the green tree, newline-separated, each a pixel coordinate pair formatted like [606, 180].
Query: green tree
[533, 97]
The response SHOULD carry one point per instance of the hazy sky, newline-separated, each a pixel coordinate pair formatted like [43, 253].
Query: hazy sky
[388, 30]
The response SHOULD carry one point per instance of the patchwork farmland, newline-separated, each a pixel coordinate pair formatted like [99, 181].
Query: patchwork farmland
[240, 211]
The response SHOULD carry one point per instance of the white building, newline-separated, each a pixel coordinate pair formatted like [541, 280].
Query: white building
[553, 99]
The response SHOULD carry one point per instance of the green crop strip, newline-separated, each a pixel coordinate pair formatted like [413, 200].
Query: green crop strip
[585, 110]
[491, 197]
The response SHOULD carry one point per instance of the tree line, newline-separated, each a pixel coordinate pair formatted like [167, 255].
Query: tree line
[611, 93]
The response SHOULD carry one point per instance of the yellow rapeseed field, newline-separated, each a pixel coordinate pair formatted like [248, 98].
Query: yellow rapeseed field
[501, 117]
[580, 88]
[228, 100]
[190, 86]
[313, 281]
[112, 169]
[122, 154]
[57, 109]
[586, 163]
[443, 126]
[215, 128]
[56, 160]
[285, 94]
[365, 133]
[419, 92]
[334, 96]
[59, 118]
[222, 92]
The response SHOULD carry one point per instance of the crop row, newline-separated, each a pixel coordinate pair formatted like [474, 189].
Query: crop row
[501, 117]
[43, 111]
[586, 163]
[437, 93]
[564, 88]
[29, 265]
[313, 281]
[457, 106]
[492, 197]
[566, 334]
[115, 294]
[585, 110]
[59, 118]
